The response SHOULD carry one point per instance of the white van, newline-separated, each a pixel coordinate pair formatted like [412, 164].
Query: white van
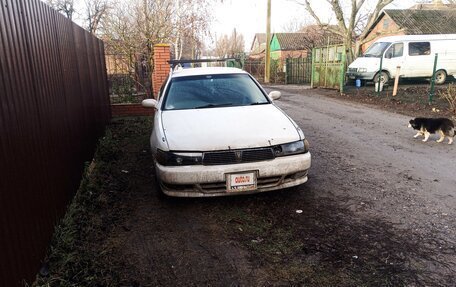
[415, 55]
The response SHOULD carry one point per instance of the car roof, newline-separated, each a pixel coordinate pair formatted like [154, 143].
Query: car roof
[206, 71]
[417, 38]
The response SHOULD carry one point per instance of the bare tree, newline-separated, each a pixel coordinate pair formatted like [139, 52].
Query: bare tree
[190, 23]
[131, 29]
[295, 24]
[96, 11]
[349, 20]
[222, 46]
[229, 46]
[66, 7]
[237, 43]
[315, 36]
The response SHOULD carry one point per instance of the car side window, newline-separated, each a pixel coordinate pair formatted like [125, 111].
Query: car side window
[419, 48]
[396, 50]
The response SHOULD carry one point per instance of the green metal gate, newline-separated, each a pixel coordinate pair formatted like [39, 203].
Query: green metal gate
[328, 67]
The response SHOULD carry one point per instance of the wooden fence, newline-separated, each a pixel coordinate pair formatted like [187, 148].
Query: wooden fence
[54, 105]
[328, 67]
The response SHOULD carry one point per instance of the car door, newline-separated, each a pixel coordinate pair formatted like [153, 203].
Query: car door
[419, 59]
[394, 57]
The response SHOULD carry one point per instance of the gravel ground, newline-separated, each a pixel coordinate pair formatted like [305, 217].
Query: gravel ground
[378, 210]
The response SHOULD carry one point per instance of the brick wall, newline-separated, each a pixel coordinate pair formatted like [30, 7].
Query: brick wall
[162, 55]
[128, 110]
[384, 28]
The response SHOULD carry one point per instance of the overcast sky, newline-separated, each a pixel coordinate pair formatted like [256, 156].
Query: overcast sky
[249, 16]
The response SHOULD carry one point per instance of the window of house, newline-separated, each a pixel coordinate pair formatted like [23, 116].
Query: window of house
[419, 48]
[386, 24]
[396, 50]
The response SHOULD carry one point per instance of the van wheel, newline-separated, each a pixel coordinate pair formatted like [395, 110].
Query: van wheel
[384, 77]
[440, 77]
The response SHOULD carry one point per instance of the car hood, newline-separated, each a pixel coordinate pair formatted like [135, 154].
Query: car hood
[227, 128]
[365, 62]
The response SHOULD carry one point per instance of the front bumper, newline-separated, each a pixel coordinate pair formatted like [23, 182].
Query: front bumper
[362, 76]
[208, 181]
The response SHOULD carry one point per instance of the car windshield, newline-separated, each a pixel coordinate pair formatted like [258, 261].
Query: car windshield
[377, 49]
[211, 91]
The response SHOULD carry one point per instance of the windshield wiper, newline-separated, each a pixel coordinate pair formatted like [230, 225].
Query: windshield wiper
[371, 56]
[214, 106]
[259, 103]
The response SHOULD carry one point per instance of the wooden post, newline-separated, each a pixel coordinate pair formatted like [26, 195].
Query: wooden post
[312, 81]
[267, 68]
[342, 72]
[396, 80]
[326, 62]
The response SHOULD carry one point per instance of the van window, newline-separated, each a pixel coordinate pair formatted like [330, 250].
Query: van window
[419, 48]
[396, 50]
[377, 49]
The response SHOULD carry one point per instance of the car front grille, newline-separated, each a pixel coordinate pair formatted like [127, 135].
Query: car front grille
[353, 70]
[237, 156]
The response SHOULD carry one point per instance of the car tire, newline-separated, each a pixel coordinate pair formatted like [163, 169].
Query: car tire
[440, 77]
[384, 77]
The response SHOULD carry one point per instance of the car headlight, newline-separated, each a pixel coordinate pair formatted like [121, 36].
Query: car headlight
[292, 148]
[362, 70]
[178, 158]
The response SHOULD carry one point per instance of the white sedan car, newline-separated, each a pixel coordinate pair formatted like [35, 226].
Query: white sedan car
[217, 132]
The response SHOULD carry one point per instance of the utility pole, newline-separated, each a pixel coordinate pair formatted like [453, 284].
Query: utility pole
[267, 68]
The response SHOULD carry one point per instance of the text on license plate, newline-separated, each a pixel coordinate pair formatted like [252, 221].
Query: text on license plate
[241, 181]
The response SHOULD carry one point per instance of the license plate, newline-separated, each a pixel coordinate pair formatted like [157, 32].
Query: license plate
[352, 77]
[243, 181]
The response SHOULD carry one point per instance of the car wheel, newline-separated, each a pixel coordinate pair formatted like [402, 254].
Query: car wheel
[384, 77]
[440, 77]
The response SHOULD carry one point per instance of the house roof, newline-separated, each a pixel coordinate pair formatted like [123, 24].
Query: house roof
[292, 41]
[436, 6]
[261, 39]
[417, 22]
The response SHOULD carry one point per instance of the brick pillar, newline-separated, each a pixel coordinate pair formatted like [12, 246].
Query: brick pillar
[162, 54]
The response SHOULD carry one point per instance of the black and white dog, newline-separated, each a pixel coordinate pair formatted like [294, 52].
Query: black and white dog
[428, 126]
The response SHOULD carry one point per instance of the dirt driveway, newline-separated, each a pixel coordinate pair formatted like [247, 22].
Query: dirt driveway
[379, 210]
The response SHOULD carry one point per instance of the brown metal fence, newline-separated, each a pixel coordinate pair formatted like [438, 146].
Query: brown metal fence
[256, 68]
[53, 106]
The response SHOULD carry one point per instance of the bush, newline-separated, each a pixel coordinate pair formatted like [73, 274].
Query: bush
[449, 95]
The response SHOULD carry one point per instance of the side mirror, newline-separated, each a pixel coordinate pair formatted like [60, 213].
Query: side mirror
[389, 56]
[275, 95]
[149, 103]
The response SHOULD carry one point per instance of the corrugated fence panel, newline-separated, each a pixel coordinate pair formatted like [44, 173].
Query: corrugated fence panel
[54, 106]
